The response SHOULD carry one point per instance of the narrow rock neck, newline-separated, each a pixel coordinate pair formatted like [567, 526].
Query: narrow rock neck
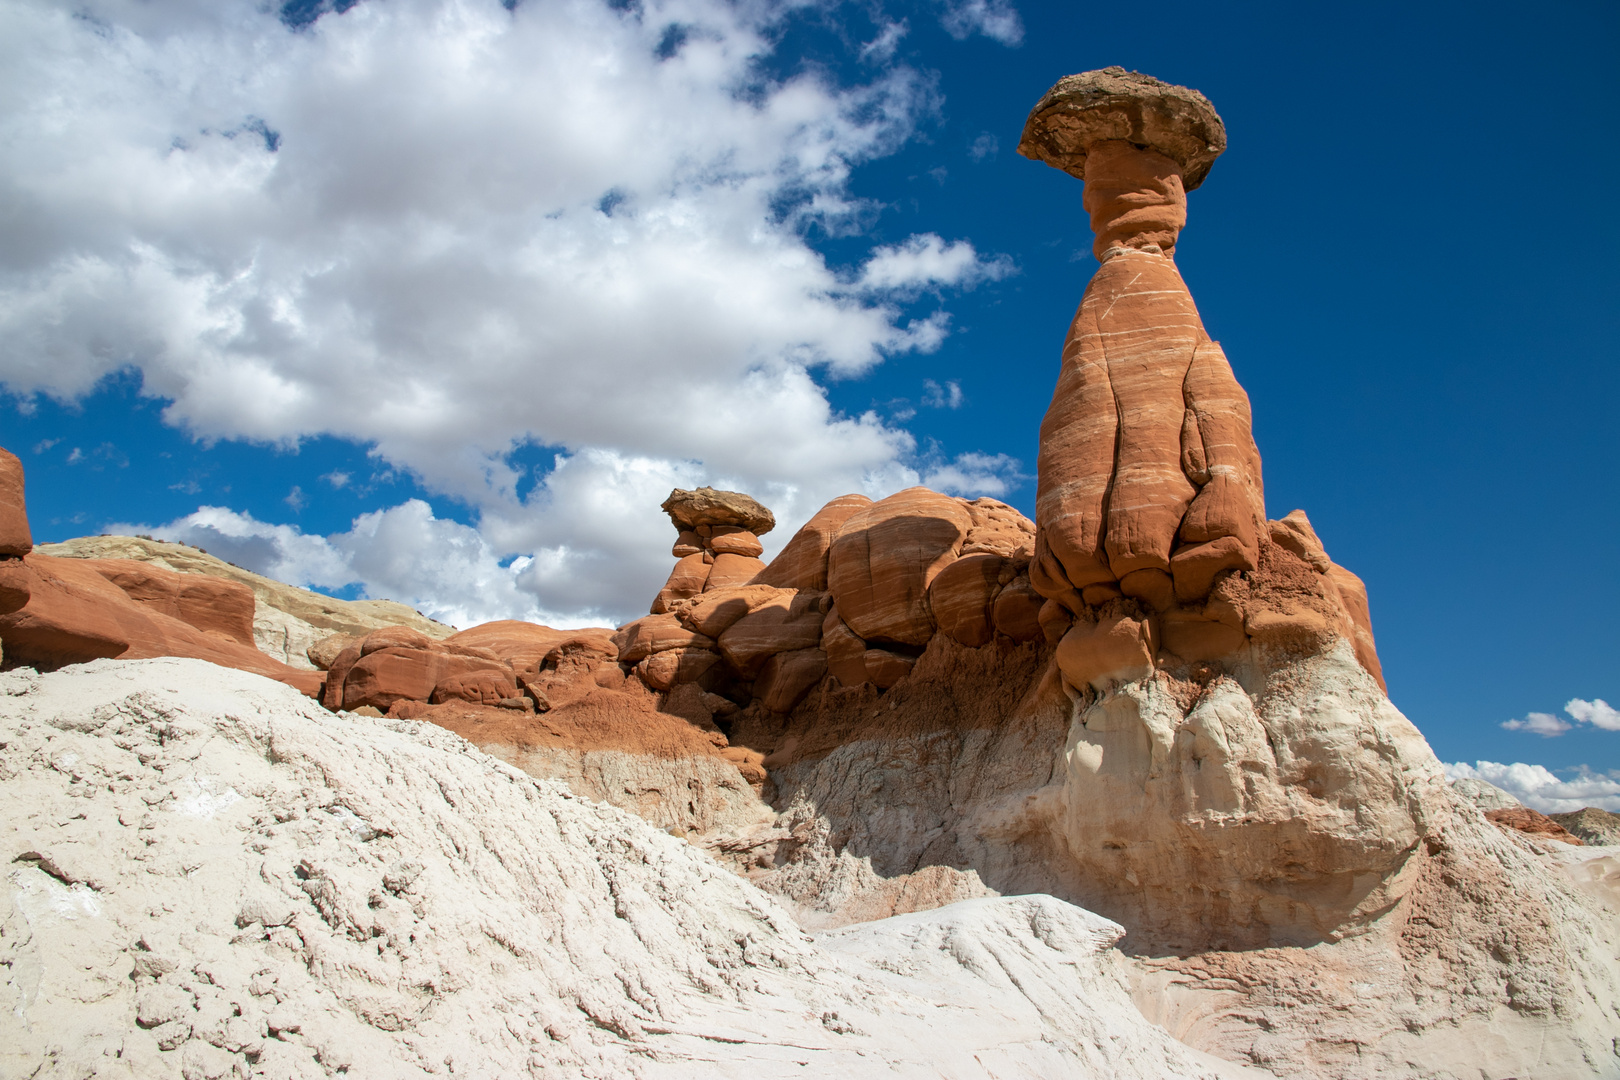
[1135, 198]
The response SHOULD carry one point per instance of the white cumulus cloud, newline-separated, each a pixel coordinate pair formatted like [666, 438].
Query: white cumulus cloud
[446, 230]
[995, 19]
[1538, 788]
[1540, 723]
[928, 260]
[1598, 713]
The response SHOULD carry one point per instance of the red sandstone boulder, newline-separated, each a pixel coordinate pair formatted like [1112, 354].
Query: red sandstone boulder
[15, 537]
[394, 637]
[1017, 610]
[789, 623]
[802, 564]
[885, 668]
[207, 603]
[1115, 648]
[735, 542]
[846, 652]
[638, 640]
[961, 596]
[787, 676]
[478, 687]
[1191, 635]
[885, 558]
[1055, 621]
[383, 676]
[523, 645]
[71, 613]
[1196, 566]
[719, 608]
[685, 581]
[730, 570]
[676, 667]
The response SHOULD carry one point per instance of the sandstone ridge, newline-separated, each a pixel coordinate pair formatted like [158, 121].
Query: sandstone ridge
[287, 621]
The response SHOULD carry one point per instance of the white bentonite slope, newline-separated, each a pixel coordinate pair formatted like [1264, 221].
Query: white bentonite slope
[208, 876]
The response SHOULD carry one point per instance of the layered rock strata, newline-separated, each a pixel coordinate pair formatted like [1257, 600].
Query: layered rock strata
[64, 611]
[289, 624]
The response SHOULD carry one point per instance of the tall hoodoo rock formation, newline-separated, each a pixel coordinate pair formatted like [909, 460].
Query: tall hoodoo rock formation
[1149, 479]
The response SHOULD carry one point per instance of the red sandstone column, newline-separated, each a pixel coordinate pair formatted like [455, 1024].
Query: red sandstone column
[1149, 479]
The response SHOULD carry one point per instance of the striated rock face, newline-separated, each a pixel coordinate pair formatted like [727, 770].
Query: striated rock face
[67, 611]
[802, 564]
[15, 538]
[288, 622]
[885, 558]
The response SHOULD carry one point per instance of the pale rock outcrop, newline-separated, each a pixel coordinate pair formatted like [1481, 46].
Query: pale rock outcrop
[1483, 795]
[1600, 828]
[263, 887]
[287, 621]
[1274, 834]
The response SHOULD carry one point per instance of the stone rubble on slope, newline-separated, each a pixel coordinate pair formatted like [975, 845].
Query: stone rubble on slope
[210, 876]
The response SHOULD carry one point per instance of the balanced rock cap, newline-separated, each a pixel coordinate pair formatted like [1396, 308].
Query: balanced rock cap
[1095, 106]
[706, 506]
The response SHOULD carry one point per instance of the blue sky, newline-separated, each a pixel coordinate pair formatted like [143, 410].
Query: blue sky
[363, 308]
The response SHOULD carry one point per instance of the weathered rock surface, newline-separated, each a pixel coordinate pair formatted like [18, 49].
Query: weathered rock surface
[705, 508]
[802, 564]
[1483, 795]
[885, 558]
[1272, 835]
[1118, 105]
[287, 621]
[262, 887]
[1591, 825]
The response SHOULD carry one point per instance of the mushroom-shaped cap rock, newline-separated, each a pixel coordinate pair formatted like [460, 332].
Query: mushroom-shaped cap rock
[1095, 106]
[706, 506]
